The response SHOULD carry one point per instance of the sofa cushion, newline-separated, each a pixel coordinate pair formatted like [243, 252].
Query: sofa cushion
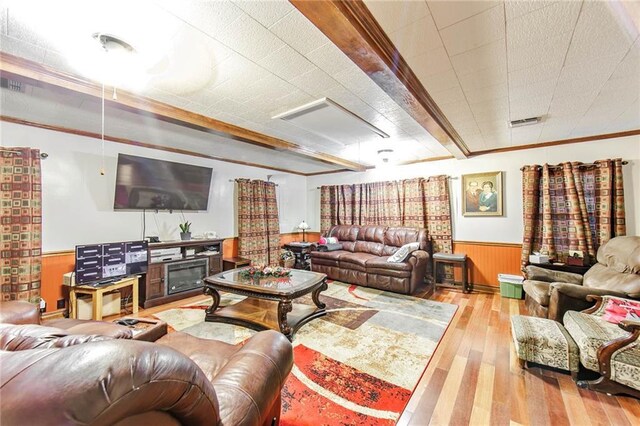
[102, 328]
[33, 336]
[359, 259]
[537, 290]
[625, 367]
[601, 276]
[383, 263]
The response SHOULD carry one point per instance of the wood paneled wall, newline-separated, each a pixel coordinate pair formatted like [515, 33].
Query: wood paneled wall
[487, 260]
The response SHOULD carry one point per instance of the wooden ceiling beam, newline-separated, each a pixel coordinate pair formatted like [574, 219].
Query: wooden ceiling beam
[354, 30]
[37, 74]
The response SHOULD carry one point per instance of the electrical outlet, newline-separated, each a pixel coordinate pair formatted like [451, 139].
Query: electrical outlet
[60, 304]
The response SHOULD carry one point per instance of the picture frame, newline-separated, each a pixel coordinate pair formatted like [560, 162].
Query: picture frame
[478, 200]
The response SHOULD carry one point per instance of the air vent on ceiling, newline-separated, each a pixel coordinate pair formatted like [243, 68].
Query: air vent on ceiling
[14, 86]
[525, 122]
[326, 118]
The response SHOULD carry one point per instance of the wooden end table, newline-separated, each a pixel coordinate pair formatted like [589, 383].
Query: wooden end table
[302, 253]
[269, 303]
[97, 292]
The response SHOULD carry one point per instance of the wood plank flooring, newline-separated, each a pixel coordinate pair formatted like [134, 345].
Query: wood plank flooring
[474, 378]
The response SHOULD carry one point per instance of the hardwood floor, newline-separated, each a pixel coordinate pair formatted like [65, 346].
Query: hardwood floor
[474, 378]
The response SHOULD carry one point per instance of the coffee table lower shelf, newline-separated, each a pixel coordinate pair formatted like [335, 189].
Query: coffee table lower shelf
[261, 314]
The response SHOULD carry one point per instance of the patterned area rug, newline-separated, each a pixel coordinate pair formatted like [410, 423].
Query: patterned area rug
[358, 364]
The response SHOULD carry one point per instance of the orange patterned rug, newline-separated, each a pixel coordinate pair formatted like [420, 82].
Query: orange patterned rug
[358, 364]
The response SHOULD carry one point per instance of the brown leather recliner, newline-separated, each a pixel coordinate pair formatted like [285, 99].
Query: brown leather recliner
[549, 294]
[51, 377]
[364, 254]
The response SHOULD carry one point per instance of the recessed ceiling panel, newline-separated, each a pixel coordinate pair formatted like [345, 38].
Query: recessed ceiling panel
[328, 119]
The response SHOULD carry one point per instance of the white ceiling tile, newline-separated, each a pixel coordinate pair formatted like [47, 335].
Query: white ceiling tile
[540, 89]
[487, 93]
[265, 12]
[535, 74]
[492, 110]
[449, 96]
[393, 15]
[22, 49]
[212, 18]
[315, 82]
[581, 78]
[483, 78]
[58, 61]
[330, 59]
[490, 55]
[630, 65]
[521, 108]
[498, 138]
[286, 63]
[435, 61]
[598, 33]
[3, 20]
[492, 127]
[458, 112]
[441, 81]
[572, 105]
[544, 23]
[557, 132]
[295, 30]
[247, 37]
[475, 142]
[515, 9]
[525, 135]
[474, 32]
[552, 50]
[446, 13]
[629, 119]
[416, 38]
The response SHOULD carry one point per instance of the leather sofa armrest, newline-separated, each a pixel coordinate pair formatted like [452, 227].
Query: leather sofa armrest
[19, 312]
[105, 383]
[570, 297]
[537, 273]
[251, 381]
[418, 256]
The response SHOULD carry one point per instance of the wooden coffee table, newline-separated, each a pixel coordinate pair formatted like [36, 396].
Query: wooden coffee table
[269, 303]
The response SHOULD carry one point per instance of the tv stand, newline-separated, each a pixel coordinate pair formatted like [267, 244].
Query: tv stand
[153, 288]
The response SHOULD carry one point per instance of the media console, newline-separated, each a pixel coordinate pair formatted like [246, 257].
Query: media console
[179, 275]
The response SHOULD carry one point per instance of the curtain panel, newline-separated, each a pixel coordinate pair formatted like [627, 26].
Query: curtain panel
[258, 222]
[571, 206]
[21, 224]
[417, 203]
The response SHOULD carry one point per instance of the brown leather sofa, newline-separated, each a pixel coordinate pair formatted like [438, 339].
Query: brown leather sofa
[364, 254]
[549, 294]
[49, 376]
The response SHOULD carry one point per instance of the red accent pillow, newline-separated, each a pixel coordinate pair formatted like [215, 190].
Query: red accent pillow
[323, 240]
[617, 310]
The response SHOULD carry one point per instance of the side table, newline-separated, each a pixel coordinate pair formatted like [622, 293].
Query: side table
[453, 259]
[96, 294]
[234, 263]
[302, 253]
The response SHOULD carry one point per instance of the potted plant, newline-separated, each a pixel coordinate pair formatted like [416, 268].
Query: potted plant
[185, 229]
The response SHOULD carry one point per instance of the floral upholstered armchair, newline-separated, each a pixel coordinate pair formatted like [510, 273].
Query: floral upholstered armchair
[608, 338]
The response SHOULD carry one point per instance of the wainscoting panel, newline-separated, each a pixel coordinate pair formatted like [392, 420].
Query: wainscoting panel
[487, 260]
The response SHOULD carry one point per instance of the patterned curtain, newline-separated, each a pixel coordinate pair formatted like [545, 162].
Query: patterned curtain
[258, 223]
[21, 222]
[418, 202]
[572, 206]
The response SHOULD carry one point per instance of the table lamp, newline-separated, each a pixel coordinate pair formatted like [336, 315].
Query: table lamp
[303, 225]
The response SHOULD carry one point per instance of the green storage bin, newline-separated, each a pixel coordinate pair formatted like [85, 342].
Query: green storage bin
[510, 286]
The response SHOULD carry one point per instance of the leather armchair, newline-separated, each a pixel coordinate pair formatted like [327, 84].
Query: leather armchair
[49, 376]
[549, 294]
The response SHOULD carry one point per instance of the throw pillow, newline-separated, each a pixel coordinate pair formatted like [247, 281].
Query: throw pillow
[403, 252]
[331, 240]
[617, 310]
[323, 240]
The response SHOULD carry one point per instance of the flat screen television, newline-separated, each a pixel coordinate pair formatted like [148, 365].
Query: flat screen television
[97, 263]
[145, 183]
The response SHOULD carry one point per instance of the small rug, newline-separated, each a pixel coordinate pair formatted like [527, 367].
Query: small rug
[359, 364]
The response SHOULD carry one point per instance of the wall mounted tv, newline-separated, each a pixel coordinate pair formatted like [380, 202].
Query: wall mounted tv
[145, 183]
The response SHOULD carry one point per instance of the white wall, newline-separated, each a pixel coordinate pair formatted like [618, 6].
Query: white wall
[509, 227]
[77, 205]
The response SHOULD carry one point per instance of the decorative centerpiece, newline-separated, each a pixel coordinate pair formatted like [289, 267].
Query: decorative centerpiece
[265, 271]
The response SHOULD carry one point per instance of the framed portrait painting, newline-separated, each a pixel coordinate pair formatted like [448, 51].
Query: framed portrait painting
[482, 194]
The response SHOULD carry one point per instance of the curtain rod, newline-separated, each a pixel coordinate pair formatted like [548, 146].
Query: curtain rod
[624, 163]
[43, 155]
[448, 177]
[235, 180]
